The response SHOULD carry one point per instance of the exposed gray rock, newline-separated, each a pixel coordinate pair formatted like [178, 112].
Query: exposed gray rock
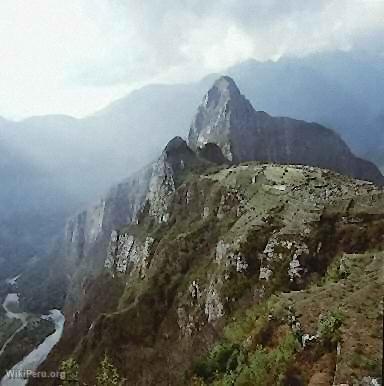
[206, 212]
[221, 250]
[119, 252]
[240, 263]
[214, 308]
[370, 381]
[194, 290]
[88, 233]
[120, 206]
[306, 339]
[161, 187]
[175, 159]
[125, 253]
[278, 249]
[183, 320]
[265, 273]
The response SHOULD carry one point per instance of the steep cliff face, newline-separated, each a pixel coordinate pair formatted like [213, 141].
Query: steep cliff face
[218, 293]
[87, 234]
[227, 118]
[119, 206]
[79, 254]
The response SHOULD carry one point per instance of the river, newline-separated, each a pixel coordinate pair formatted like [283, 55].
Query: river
[34, 359]
[13, 299]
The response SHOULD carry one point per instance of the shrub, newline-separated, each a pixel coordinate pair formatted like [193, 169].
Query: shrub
[329, 327]
[269, 367]
[249, 323]
[282, 355]
[107, 374]
[70, 369]
[254, 322]
[262, 367]
[338, 270]
[256, 373]
[224, 358]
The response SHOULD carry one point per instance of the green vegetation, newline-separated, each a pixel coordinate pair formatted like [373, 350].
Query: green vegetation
[268, 367]
[229, 364]
[253, 322]
[224, 358]
[70, 370]
[107, 374]
[329, 327]
[247, 357]
[7, 328]
[338, 270]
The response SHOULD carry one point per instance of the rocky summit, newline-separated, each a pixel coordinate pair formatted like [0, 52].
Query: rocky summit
[247, 256]
[228, 119]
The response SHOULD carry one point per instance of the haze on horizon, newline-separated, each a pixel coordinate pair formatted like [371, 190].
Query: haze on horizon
[74, 57]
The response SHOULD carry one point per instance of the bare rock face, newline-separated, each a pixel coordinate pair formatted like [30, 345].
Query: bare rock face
[222, 110]
[91, 232]
[120, 206]
[174, 160]
[126, 254]
[228, 119]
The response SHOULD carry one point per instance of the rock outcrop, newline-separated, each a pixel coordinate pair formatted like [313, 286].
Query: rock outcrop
[88, 234]
[228, 119]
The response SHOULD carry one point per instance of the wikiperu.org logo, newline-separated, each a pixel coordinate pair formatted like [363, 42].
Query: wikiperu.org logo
[25, 374]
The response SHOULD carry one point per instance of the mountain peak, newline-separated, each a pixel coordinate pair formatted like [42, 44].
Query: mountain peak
[176, 144]
[227, 119]
[222, 90]
[178, 155]
[226, 83]
[223, 107]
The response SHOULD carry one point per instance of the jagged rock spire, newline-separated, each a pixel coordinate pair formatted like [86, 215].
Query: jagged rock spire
[222, 90]
[222, 107]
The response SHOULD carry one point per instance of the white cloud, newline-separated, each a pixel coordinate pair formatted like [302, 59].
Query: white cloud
[74, 56]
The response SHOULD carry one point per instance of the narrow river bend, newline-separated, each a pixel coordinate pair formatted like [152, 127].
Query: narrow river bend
[36, 357]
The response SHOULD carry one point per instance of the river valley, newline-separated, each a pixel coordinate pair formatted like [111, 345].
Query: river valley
[37, 334]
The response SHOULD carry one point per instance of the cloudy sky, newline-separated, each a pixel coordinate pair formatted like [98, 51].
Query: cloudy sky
[75, 56]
